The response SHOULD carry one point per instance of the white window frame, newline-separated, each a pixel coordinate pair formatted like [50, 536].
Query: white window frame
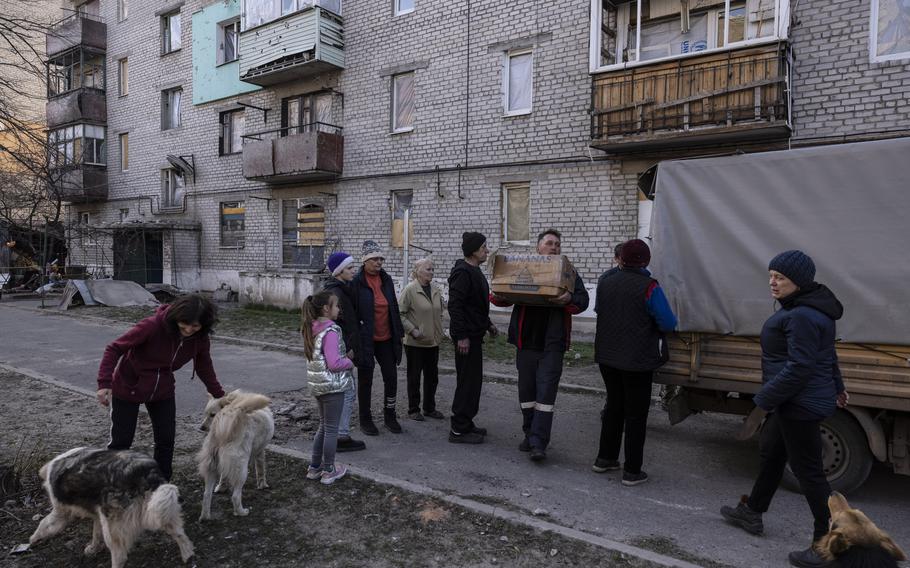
[270, 10]
[170, 41]
[123, 76]
[169, 118]
[122, 10]
[94, 145]
[506, 81]
[221, 57]
[85, 217]
[399, 11]
[505, 188]
[171, 196]
[874, 57]
[780, 33]
[394, 98]
[124, 151]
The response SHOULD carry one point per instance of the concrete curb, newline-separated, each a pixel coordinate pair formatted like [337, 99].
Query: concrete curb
[490, 376]
[504, 514]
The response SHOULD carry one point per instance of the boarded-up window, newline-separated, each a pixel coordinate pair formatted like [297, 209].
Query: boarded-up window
[516, 205]
[233, 223]
[401, 200]
[302, 235]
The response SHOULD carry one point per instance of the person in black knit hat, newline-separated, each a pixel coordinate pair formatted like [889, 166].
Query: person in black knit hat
[801, 386]
[469, 321]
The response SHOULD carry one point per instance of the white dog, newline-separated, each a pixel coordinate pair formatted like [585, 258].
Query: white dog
[124, 493]
[240, 426]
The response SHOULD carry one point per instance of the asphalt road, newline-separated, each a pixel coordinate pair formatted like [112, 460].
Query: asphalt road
[695, 466]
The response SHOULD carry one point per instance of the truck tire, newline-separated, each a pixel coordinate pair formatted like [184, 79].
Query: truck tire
[846, 455]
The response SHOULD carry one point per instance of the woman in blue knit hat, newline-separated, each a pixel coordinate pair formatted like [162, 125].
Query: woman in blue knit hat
[801, 386]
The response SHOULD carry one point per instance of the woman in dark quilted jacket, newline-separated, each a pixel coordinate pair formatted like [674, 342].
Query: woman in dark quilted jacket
[801, 386]
[138, 368]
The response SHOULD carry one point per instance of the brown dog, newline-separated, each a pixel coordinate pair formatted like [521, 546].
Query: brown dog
[854, 541]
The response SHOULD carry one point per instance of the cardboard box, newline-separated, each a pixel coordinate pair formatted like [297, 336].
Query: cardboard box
[532, 278]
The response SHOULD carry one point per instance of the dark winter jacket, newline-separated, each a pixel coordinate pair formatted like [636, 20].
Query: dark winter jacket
[800, 375]
[545, 328]
[148, 354]
[633, 315]
[349, 318]
[469, 302]
[363, 295]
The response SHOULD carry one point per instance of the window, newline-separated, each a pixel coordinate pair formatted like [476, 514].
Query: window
[172, 188]
[85, 218]
[78, 144]
[302, 235]
[170, 108]
[170, 32]
[403, 102]
[232, 223]
[889, 37]
[124, 214]
[94, 150]
[518, 80]
[645, 30]
[123, 77]
[258, 12]
[75, 69]
[307, 113]
[230, 141]
[124, 152]
[122, 10]
[401, 202]
[228, 42]
[92, 8]
[403, 6]
[516, 201]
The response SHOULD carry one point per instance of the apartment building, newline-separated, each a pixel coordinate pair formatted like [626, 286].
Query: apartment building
[242, 142]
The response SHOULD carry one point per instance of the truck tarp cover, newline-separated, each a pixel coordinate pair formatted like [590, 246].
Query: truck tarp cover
[717, 222]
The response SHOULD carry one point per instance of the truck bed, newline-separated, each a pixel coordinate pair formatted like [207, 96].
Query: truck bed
[876, 376]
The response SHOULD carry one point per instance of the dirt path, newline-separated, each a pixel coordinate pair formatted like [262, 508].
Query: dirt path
[353, 523]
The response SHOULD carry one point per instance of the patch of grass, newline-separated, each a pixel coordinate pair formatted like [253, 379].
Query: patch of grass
[269, 308]
[667, 546]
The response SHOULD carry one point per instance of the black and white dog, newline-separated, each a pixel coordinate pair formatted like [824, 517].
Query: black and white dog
[124, 493]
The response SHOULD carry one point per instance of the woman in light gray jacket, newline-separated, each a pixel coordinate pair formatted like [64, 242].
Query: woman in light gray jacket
[421, 309]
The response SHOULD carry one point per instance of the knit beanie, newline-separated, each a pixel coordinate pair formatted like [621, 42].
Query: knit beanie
[471, 242]
[635, 254]
[338, 261]
[795, 265]
[370, 250]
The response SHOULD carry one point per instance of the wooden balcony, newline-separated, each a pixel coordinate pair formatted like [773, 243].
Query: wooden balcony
[76, 30]
[721, 98]
[312, 152]
[296, 46]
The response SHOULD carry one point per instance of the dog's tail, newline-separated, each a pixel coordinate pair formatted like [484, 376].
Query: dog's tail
[231, 416]
[162, 508]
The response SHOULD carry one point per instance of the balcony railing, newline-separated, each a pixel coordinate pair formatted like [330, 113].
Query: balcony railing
[76, 30]
[734, 96]
[79, 183]
[308, 152]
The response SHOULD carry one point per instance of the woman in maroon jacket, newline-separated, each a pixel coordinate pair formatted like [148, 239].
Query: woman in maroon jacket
[138, 368]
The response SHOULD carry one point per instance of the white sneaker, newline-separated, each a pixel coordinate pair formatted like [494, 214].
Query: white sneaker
[313, 472]
[329, 477]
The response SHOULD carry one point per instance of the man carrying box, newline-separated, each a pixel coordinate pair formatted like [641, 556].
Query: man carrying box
[542, 334]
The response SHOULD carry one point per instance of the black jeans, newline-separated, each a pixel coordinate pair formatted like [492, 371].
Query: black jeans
[628, 403]
[538, 382]
[384, 353]
[799, 443]
[422, 360]
[469, 382]
[163, 414]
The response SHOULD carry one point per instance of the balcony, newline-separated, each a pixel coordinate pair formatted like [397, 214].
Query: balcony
[722, 98]
[76, 30]
[81, 105]
[302, 44]
[311, 152]
[79, 184]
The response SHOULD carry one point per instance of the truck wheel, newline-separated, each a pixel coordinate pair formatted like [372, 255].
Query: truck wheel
[845, 454]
